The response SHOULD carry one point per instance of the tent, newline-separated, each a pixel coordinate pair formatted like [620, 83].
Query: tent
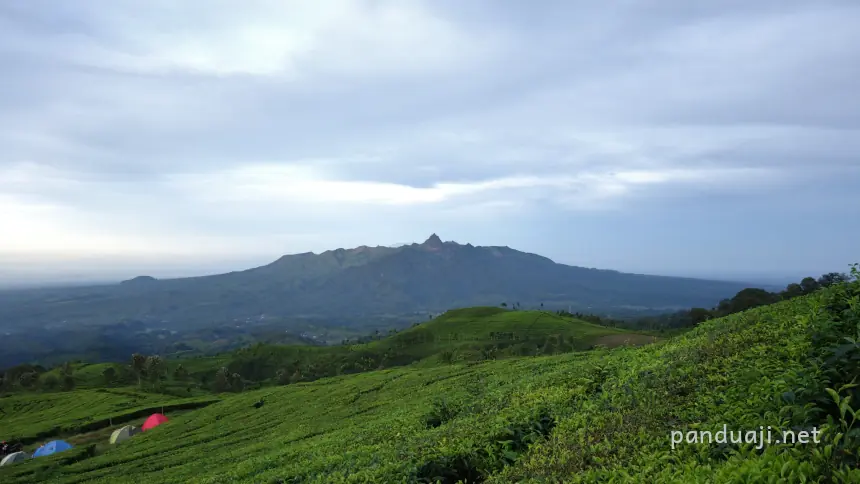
[153, 421]
[124, 433]
[52, 447]
[13, 458]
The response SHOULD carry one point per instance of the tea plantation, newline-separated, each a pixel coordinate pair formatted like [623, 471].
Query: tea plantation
[32, 417]
[457, 336]
[604, 415]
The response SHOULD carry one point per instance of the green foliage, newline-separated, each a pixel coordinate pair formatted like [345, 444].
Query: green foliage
[599, 416]
[222, 380]
[33, 418]
[472, 334]
[138, 366]
[745, 299]
[67, 376]
[27, 380]
[441, 412]
[282, 377]
[50, 381]
[180, 373]
[110, 375]
[154, 368]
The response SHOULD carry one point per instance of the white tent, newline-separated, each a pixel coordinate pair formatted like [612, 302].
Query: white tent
[13, 458]
[124, 433]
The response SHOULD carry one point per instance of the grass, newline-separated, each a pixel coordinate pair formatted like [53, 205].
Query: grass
[599, 416]
[480, 324]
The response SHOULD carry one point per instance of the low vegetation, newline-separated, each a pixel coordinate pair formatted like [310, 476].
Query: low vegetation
[604, 415]
[458, 336]
[30, 418]
[748, 298]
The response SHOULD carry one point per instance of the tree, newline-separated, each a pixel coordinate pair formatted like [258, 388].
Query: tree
[67, 377]
[236, 383]
[809, 285]
[109, 375]
[138, 365]
[296, 377]
[27, 379]
[50, 381]
[699, 315]
[748, 298]
[832, 278]
[68, 383]
[282, 377]
[180, 373]
[155, 368]
[792, 290]
[222, 380]
[547, 347]
[504, 304]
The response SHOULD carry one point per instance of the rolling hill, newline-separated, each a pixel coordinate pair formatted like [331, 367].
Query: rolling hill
[596, 416]
[350, 287]
[464, 335]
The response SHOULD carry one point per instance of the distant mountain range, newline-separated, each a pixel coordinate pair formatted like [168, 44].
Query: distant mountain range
[349, 285]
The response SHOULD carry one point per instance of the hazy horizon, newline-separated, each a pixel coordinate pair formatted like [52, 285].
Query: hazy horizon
[660, 137]
[70, 273]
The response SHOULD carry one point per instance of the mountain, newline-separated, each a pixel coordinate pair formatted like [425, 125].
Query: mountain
[350, 286]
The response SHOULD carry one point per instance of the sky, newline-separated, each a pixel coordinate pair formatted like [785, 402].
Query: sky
[678, 137]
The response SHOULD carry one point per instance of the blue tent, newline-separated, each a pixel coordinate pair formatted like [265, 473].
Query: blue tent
[52, 447]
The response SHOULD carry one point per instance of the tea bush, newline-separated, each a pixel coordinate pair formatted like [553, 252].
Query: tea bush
[601, 416]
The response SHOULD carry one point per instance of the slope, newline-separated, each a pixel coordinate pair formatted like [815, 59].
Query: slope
[582, 417]
[32, 417]
[472, 334]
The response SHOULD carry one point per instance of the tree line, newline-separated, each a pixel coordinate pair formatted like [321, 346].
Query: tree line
[745, 299]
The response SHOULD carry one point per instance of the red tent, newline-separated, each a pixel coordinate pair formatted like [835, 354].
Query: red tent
[154, 420]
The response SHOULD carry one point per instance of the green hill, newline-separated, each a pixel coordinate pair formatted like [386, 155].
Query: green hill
[463, 335]
[463, 332]
[606, 415]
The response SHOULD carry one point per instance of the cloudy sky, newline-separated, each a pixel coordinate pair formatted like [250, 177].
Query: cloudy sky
[709, 138]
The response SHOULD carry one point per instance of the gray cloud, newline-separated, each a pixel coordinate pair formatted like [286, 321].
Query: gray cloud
[147, 129]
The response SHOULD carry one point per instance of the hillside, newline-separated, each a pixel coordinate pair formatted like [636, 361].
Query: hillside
[598, 416]
[33, 417]
[349, 287]
[464, 335]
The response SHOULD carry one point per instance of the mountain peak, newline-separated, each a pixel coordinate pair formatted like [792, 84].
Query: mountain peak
[433, 241]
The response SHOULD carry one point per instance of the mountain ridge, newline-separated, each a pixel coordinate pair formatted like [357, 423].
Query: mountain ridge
[342, 286]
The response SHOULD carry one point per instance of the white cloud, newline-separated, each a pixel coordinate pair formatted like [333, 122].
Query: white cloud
[291, 39]
[305, 185]
[275, 126]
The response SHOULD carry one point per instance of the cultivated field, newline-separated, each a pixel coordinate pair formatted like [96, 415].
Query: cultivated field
[598, 416]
